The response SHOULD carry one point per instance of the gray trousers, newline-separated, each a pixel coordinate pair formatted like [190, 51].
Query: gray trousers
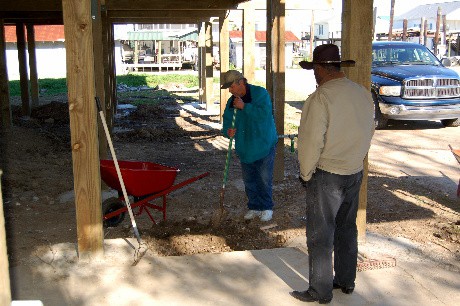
[332, 206]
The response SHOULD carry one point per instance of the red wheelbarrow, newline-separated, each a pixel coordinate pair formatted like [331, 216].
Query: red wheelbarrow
[145, 182]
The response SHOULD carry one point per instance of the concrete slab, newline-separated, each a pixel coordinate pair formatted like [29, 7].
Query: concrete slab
[263, 277]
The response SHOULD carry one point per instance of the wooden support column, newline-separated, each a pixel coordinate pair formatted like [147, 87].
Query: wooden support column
[32, 65]
[83, 126]
[100, 72]
[224, 47]
[404, 35]
[357, 45]
[5, 108]
[421, 37]
[249, 38]
[436, 34]
[202, 62]
[5, 290]
[209, 67]
[276, 74]
[23, 75]
[112, 104]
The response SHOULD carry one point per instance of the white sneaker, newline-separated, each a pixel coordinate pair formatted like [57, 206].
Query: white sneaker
[266, 215]
[252, 214]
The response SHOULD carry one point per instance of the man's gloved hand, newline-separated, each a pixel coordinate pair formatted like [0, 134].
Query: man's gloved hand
[304, 183]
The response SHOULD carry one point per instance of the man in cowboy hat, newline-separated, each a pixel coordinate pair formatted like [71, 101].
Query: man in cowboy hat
[335, 133]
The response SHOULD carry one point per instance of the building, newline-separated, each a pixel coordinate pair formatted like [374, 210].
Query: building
[236, 48]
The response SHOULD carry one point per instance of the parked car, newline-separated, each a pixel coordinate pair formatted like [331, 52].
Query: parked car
[410, 83]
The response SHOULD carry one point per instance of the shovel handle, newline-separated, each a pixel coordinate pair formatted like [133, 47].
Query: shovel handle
[229, 151]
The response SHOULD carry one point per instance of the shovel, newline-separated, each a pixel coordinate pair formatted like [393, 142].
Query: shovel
[221, 213]
[142, 249]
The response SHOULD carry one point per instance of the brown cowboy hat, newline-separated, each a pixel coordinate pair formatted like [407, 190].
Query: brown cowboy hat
[326, 54]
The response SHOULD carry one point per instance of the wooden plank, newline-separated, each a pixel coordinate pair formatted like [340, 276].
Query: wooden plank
[159, 20]
[99, 74]
[224, 46]
[209, 67]
[357, 45]
[32, 64]
[83, 126]
[5, 291]
[276, 74]
[5, 108]
[144, 13]
[23, 75]
[172, 5]
[249, 37]
[32, 5]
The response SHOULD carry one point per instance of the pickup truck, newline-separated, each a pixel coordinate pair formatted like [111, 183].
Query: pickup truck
[408, 82]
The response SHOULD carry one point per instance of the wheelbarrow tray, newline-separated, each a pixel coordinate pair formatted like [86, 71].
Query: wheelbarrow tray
[456, 154]
[140, 178]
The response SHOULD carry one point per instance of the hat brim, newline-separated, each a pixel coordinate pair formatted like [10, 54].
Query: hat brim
[309, 65]
[226, 85]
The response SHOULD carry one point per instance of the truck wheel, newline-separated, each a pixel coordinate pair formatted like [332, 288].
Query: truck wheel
[111, 205]
[451, 122]
[380, 121]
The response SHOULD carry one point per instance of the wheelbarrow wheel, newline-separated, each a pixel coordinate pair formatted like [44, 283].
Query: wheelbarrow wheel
[111, 205]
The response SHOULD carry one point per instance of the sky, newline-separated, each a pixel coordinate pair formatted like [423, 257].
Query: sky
[401, 6]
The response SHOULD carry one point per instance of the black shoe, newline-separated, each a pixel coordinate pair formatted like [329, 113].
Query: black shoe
[346, 290]
[305, 296]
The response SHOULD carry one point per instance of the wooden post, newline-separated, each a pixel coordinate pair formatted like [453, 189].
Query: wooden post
[249, 37]
[209, 67]
[5, 291]
[276, 74]
[224, 46]
[357, 45]
[32, 64]
[5, 109]
[99, 38]
[23, 75]
[404, 35]
[436, 34]
[421, 37]
[392, 13]
[444, 30]
[83, 126]
[312, 33]
[425, 32]
[202, 62]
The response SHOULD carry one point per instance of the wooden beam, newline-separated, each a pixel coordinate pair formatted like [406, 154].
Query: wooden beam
[249, 37]
[37, 18]
[5, 108]
[5, 290]
[224, 47]
[32, 64]
[209, 67]
[357, 45]
[202, 62]
[114, 5]
[83, 126]
[99, 74]
[32, 5]
[159, 20]
[276, 74]
[166, 14]
[23, 75]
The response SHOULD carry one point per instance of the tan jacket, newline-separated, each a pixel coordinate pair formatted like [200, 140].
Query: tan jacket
[336, 128]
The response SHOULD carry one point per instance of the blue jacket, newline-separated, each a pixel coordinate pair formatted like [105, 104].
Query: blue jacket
[255, 126]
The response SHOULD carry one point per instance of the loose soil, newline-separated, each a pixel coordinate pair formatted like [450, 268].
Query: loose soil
[39, 205]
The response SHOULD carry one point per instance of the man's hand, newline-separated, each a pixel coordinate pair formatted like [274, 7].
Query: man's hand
[231, 132]
[238, 103]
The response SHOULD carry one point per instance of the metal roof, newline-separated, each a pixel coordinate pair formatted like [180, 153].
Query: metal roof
[430, 10]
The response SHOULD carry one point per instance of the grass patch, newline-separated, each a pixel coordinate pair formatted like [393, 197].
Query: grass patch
[49, 87]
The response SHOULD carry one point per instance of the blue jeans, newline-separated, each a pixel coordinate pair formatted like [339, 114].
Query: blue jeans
[258, 177]
[331, 226]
